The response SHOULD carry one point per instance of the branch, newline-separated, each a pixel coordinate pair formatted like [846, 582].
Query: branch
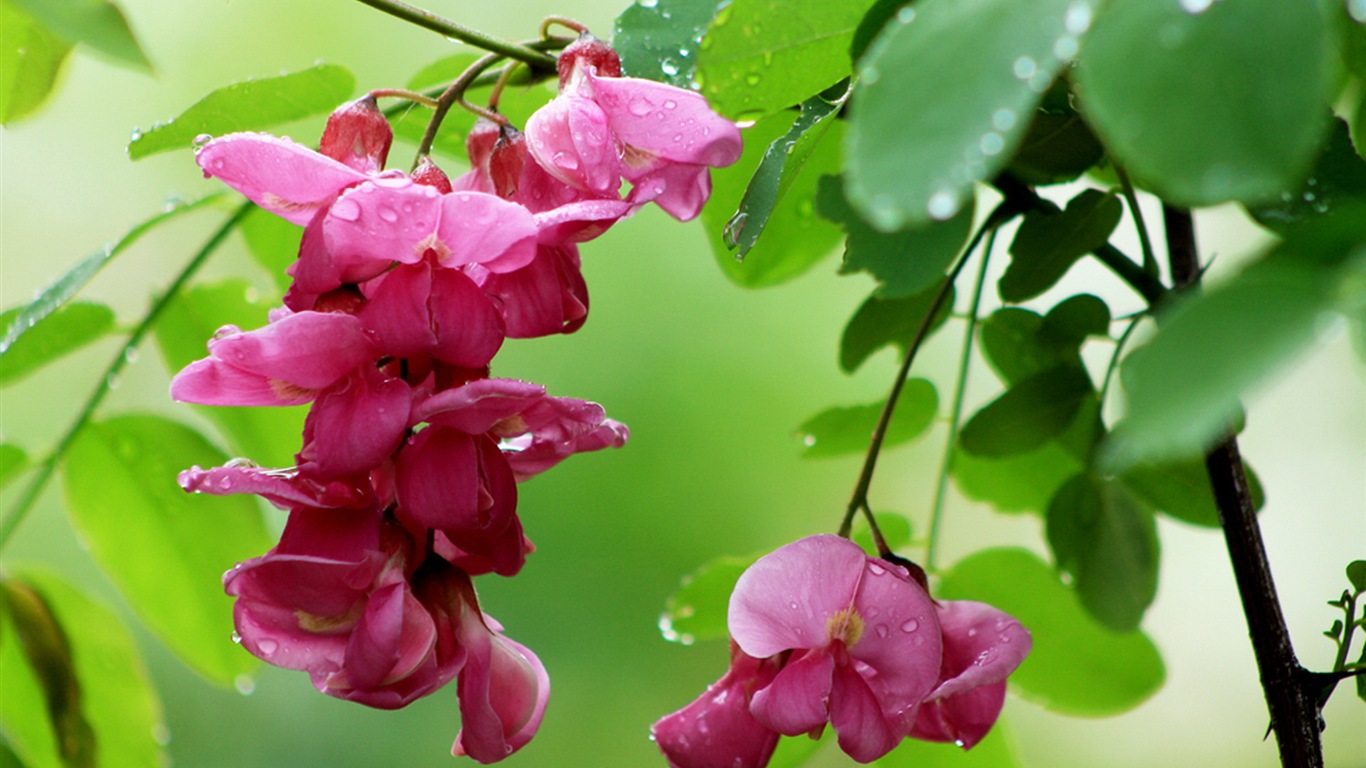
[429, 20]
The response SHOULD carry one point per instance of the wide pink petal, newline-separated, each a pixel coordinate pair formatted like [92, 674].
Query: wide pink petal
[545, 297]
[384, 220]
[856, 714]
[670, 122]
[900, 638]
[569, 137]
[476, 407]
[287, 179]
[796, 702]
[678, 188]
[313, 272]
[786, 598]
[355, 426]
[468, 327]
[540, 456]
[503, 691]
[717, 730]
[437, 479]
[583, 220]
[477, 228]
[397, 311]
[373, 647]
[272, 633]
[982, 646]
[311, 350]
[285, 489]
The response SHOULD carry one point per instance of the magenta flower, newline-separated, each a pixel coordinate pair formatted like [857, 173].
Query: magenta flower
[982, 647]
[717, 730]
[863, 636]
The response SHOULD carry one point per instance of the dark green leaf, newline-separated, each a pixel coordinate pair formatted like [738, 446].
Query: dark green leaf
[1339, 174]
[1018, 343]
[904, 262]
[896, 531]
[1058, 147]
[268, 436]
[697, 611]
[888, 322]
[763, 56]
[843, 431]
[1356, 573]
[63, 288]
[67, 330]
[116, 695]
[1077, 667]
[994, 751]
[782, 164]
[30, 57]
[48, 653]
[1181, 489]
[1026, 482]
[252, 105]
[96, 23]
[1108, 542]
[7, 757]
[164, 549]
[13, 460]
[877, 17]
[1075, 318]
[1048, 243]
[273, 242]
[659, 40]
[945, 96]
[1153, 82]
[1030, 413]
[796, 238]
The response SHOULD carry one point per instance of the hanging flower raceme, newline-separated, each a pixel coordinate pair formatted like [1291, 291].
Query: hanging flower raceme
[823, 634]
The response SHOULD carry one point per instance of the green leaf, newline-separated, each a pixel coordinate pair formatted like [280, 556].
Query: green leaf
[266, 435]
[1153, 83]
[1108, 542]
[796, 238]
[1057, 147]
[1019, 343]
[96, 23]
[13, 460]
[164, 549]
[660, 40]
[844, 431]
[779, 169]
[63, 288]
[905, 262]
[252, 105]
[30, 58]
[116, 694]
[1339, 175]
[1048, 243]
[886, 322]
[67, 330]
[1180, 488]
[1077, 667]
[697, 611]
[945, 96]
[273, 243]
[996, 750]
[1026, 482]
[1215, 348]
[1356, 573]
[1031, 412]
[763, 56]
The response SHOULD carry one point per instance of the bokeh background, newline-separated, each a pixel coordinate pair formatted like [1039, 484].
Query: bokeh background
[712, 380]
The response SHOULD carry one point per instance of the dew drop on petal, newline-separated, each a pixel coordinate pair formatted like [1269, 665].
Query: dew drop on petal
[268, 647]
[346, 209]
[910, 626]
[882, 630]
[388, 214]
[236, 638]
[202, 139]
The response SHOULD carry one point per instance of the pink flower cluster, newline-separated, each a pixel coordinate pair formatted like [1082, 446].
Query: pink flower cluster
[822, 633]
[405, 287]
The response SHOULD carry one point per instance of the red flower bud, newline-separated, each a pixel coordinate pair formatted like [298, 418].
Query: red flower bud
[358, 135]
[588, 51]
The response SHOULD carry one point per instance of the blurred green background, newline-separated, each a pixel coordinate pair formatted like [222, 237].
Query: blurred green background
[712, 380]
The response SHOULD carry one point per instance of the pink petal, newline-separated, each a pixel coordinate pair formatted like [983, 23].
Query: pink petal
[286, 490]
[476, 407]
[380, 222]
[963, 719]
[373, 647]
[477, 228]
[570, 139]
[582, 220]
[311, 350]
[503, 691]
[787, 597]
[213, 382]
[667, 121]
[717, 730]
[437, 479]
[272, 633]
[982, 646]
[856, 714]
[354, 426]
[398, 311]
[680, 189]
[285, 178]
[796, 701]
[468, 327]
[900, 638]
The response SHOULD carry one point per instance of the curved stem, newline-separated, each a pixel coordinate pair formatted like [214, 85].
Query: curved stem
[428, 20]
[1144, 241]
[400, 93]
[956, 414]
[563, 21]
[454, 93]
[49, 466]
[1114, 357]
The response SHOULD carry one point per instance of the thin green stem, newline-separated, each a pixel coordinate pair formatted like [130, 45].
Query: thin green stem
[454, 93]
[1114, 358]
[1144, 241]
[563, 21]
[1348, 627]
[428, 20]
[49, 466]
[956, 413]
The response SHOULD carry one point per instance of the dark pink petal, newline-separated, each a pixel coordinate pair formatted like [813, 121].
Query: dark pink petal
[384, 220]
[547, 296]
[344, 535]
[786, 599]
[313, 272]
[437, 480]
[864, 734]
[476, 407]
[582, 220]
[272, 633]
[311, 350]
[717, 730]
[796, 702]
[285, 489]
[287, 179]
[468, 327]
[355, 425]
[670, 122]
[900, 637]
[373, 648]
[963, 719]
[570, 138]
[504, 560]
[503, 690]
[476, 228]
[357, 135]
[397, 311]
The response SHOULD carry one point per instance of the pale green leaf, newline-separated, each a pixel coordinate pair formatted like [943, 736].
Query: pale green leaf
[30, 59]
[96, 23]
[846, 430]
[65, 331]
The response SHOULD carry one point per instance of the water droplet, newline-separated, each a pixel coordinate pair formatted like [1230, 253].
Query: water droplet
[112, 381]
[346, 209]
[244, 684]
[958, 742]
[1357, 9]
[1197, 6]
[910, 626]
[876, 569]
[792, 605]
[130, 355]
[236, 638]
[161, 734]
[1003, 119]
[972, 632]
[883, 213]
[136, 135]
[668, 67]
[992, 144]
[647, 3]
[268, 647]
[882, 630]
[808, 440]
[670, 104]
[388, 214]
[942, 205]
[905, 15]
[919, 640]
[1065, 48]
[869, 75]
[202, 139]
[753, 78]
[1025, 68]
[1078, 17]
[731, 234]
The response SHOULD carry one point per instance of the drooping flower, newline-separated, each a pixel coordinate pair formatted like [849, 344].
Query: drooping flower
[717, 730]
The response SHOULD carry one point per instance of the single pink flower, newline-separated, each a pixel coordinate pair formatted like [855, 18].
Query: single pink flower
[982, 647]
[717, 730]
[865, 643]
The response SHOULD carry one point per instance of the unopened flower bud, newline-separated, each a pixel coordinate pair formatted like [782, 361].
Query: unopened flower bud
[588, 51]
[507, 161]
[358, 135]
[480, 140]
[427, 173]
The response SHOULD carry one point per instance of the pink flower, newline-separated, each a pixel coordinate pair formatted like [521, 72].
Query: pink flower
[603, 128]
[717, 730]
[982, 647]
[864, 640]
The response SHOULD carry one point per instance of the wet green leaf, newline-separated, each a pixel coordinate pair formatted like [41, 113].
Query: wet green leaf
[905, 262]
[269, 436]
[1108, 541]
[1338, 175]
[882, 322]
[95, 23]
[65, 331]
[697, 611]
[1048, 243]
[13, 460]
[660, 40]
[1077, 666]
[763, 56]
[251, 105]
[1031, 412]
[945, 96]
[30, 58]
[116, 695]
[796, 238]
[1153, 82]
[1181, 489]
[842, 431]
[165, 549]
